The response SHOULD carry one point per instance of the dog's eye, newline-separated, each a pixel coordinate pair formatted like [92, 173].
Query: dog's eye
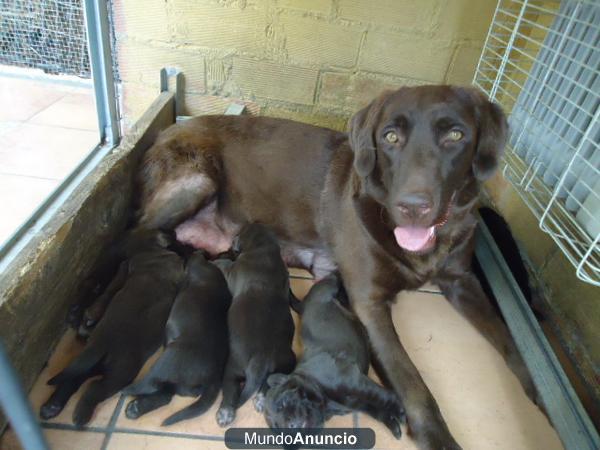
[391, 137]
[454, 135]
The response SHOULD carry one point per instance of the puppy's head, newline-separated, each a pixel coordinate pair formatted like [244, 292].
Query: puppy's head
[415, 148]
[253, 235]
[139, 240]
[294, 402]
[329, 287]
[196, 261]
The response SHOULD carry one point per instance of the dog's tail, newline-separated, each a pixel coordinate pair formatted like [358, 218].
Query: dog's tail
[295, 303]
[81, 365]
[256, 374]
[197, 408]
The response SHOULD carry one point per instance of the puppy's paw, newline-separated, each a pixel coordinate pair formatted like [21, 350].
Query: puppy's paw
[393, 423]
[83, 332]
[50, 410]
[82, 415]
[259, 402]
[132, 411]
[75, 315]
[225, 416]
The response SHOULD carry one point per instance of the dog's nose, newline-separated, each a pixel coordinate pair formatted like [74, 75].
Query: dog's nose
[415, 204]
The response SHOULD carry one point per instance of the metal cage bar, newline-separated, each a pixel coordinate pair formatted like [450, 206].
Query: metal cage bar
[97, 23]
[541, 62]
[564, 408]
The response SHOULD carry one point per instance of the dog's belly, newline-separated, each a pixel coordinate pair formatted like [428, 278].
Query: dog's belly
[208, 230]
[211, 231]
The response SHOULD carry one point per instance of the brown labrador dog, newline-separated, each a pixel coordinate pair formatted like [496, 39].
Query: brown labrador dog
[390, 204]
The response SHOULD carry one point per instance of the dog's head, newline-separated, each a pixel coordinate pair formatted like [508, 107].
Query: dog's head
[253, 235]
[294, 402]
[415, 148]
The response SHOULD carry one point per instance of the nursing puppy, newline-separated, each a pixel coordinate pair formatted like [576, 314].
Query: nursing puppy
[331, 376]
[260, 323]
[131, 330]
[95, 291]
[107, 277]
[196, 346]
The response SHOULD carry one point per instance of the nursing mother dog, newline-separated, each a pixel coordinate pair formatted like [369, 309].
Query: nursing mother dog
[390, 204]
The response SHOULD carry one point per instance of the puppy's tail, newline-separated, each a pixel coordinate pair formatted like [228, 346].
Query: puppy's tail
[146, 385]
[295, 303]
[197, 408]
[155, 377]
[256, 374]
[83, 364]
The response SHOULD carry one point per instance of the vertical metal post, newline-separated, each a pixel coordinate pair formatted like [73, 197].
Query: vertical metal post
[16, 407]
[96, 19]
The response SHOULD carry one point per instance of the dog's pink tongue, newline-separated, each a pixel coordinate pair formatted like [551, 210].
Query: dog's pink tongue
[413, 238]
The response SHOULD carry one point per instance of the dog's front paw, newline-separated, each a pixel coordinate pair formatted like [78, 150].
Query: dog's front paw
[393, 423]
[259, 402]
[225, 416]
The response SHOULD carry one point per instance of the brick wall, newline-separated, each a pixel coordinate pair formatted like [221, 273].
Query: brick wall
[317, 61]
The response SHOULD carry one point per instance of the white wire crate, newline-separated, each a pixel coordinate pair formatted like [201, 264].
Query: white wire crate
[541, 62]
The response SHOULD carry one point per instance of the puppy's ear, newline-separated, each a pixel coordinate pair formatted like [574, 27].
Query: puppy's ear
[361, 136]
[276, 379]
[492, 134]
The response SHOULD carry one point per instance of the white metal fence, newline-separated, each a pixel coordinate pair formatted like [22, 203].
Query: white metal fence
[541, 62]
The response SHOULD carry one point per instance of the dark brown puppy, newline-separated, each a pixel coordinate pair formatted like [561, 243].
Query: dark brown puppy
[196, 346]
[261, 328]
[107, 277]
[129, 333]
[94, 293]
[331, 376]
[390, 204]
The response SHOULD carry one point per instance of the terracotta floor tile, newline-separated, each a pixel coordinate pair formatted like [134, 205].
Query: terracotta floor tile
[58, 440]
[44, 151]
[76, 110]
[121, 441]
[300, 287]
[22, 98]
[20, 196]
[345, 421]
[67, 349]
[482, 401]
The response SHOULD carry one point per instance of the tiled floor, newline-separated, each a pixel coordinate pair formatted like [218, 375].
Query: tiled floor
[481, 400]
[46, 129]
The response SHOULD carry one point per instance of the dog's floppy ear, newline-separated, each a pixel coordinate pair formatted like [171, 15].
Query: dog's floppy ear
[276, 379]
[361, 136]
[492, 133]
